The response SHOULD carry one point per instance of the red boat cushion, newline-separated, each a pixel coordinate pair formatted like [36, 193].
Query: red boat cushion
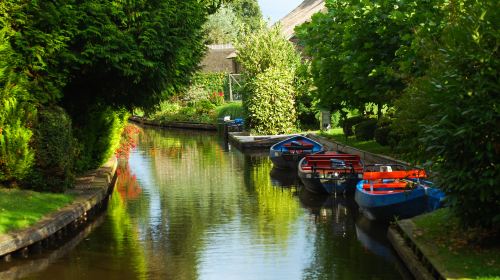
[394, 185]
[409, 174]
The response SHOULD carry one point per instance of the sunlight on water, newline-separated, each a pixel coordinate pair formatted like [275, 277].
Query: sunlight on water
[187, 207]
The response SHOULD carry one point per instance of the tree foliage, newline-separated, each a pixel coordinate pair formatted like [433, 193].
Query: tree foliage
[248, 11]
[438, 62]
[270, 64]
[223, 27]
[91, 57]
[459, 102]
[356, 48]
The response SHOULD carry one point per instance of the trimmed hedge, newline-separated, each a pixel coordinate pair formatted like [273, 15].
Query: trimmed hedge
[269, 102]
[365, 130]
[349, 123]
[383, 134]
[55, 151]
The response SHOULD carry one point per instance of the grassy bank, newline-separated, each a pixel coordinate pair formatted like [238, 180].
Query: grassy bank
[372, 146]
[460, 253]
[201, 112]
[20, 208]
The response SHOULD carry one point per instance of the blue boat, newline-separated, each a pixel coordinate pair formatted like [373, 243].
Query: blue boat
[287, 153]
[393, 192]
[330, 172]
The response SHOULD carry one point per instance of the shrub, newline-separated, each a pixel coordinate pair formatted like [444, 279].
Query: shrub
[383, 132]
[233, 109]
[347, 124]
[98, 135]
[365, 130]
[55, 151]
[269, 102]
[270, 63]
[16, 156]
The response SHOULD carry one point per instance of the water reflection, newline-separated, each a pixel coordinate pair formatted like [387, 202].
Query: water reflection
[284, 178]
[186, 207]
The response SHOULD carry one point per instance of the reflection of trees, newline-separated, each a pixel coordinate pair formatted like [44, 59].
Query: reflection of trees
[190, 188]
[275, 209]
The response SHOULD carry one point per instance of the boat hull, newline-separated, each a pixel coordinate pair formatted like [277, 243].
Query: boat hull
[386, 207]
[285, 161]
[316, 183]
[287, 156]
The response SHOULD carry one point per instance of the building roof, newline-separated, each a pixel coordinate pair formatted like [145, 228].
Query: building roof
[300, 15]
[215, 59]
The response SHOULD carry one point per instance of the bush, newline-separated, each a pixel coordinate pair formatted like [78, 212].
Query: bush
[16, 155]
[269, 103]
[234, 110]
[365, 130]
[383, 132]
[270, 63]
[349, 123]
[98, 136]
[54, 151]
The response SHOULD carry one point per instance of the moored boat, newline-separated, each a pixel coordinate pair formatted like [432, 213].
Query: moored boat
[330, 172]
[393, 192]
[287, 153]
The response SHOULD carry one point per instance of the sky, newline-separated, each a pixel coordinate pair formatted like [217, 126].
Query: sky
[276, 9]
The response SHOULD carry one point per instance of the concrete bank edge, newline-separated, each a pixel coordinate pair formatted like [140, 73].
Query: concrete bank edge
[416, 257]
[91, 190]
[183, 125]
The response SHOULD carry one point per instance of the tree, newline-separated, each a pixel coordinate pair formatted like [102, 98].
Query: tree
[457, 99]
[223, 26]
[96, 58]
[355, 49]
[270, 63]
[248, 11]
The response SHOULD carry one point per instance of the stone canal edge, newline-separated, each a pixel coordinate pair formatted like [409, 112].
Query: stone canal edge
[91, 190]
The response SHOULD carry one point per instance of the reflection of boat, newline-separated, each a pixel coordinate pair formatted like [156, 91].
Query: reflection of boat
[340, 210]
[373, 236]
[283, 178]
[287, 153]
[393, 191]
[330, 172]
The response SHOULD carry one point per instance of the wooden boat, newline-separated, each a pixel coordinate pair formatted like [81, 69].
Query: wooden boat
[287, 153]
[330, 172]
[393, 192]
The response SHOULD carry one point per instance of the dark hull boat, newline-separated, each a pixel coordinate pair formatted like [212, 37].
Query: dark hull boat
[287, 153]
[388, 194]
[330, 172]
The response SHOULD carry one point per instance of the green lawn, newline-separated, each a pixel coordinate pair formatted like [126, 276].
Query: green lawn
[370, 146]
[19, 208]
[458, 251]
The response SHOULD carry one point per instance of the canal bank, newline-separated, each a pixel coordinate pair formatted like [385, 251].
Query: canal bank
[91, 191]
[165, 124]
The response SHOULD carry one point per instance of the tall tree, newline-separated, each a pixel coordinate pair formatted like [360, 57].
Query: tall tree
[355, 50]
[248, 11]
[223, 26]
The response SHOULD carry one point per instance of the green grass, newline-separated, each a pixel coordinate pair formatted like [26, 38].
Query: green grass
[458, 251]
[370, 146]
[20, 209]
[233, 109]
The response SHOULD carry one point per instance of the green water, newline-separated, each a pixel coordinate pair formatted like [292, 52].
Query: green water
[186, 206]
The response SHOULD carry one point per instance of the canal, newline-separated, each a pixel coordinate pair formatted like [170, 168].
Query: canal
[187, 206]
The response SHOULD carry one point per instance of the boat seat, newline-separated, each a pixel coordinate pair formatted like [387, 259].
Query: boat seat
[403, 174]
[385, 192]
[392, 185]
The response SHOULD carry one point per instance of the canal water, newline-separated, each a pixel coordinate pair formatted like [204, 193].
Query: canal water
[188, 206]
